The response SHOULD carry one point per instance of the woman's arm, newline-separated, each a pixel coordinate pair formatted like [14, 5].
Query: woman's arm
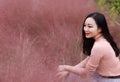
[75, 69]
[87, 66]
[82, 64]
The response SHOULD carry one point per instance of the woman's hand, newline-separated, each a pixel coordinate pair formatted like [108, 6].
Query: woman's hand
[61, 72]
[61, 68]
[62, 75]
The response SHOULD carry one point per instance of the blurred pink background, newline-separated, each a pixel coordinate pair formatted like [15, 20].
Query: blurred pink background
[38, 35]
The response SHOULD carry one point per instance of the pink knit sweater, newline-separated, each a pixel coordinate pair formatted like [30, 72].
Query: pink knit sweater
[103, 59]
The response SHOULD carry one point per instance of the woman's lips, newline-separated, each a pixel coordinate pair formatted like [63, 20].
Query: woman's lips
[87, 33]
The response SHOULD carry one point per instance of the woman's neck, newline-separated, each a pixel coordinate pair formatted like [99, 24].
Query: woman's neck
[98, 37]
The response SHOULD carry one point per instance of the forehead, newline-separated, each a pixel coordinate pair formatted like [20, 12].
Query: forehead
[90, 21]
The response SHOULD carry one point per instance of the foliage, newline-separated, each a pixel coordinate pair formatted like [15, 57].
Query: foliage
[113, 6]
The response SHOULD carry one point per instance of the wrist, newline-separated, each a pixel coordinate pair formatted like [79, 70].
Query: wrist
[67, 68]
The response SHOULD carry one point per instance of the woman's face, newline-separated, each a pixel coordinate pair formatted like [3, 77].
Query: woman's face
[90, 28]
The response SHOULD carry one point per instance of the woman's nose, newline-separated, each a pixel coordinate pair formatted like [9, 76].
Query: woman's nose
[85, 29]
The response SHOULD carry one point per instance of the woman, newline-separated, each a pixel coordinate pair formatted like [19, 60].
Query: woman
[102, 59]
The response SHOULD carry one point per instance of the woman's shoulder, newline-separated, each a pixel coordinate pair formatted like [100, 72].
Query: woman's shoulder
[101, 46]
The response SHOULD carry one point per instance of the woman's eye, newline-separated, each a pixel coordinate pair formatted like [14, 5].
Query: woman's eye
[90, 26]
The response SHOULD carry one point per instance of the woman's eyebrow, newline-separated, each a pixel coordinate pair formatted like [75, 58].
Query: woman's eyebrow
[87, 24]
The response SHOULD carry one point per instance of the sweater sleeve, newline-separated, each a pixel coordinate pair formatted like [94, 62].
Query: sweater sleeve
[94, 59]
[82, 64]
[92, 62]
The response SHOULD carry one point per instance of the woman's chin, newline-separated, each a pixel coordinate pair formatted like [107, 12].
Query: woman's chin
[88, 37]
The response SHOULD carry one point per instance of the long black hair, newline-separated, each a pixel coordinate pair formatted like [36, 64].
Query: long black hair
[102, 24]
